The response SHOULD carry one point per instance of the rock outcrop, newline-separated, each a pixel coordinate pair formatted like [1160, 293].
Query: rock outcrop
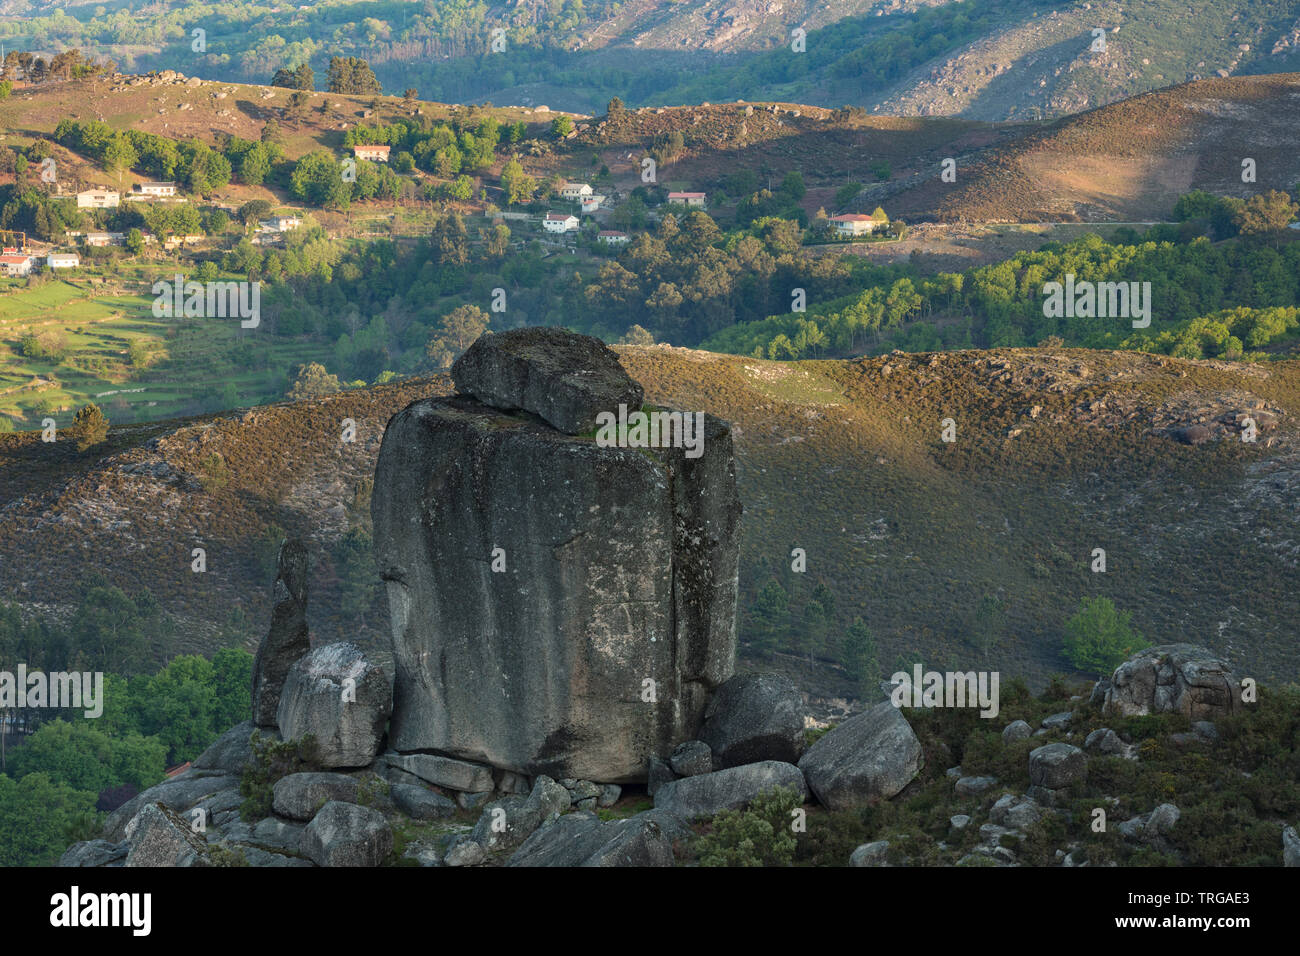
[558, 607]
[287, 640]
[1172, 678]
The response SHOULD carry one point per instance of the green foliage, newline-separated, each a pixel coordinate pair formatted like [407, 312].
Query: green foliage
[1098, 638]
[79, 755]
[760, 835]
[312, 381]
[350, 74]
[40, 818]
[859, 656]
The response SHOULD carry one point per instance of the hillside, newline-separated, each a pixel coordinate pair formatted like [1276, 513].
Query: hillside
[1056, 453]
[1125, 162]
[979, 59]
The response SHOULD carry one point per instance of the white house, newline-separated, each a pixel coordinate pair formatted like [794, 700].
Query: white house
[62, 260]
[560, 222]
[105, 238]
[373, 153]
[98, 199]
[156, 189]
[855, 224]
[574, 191]
[281, 223]
[611, 237]
[15, 265]
[687, 199]
[592, 203]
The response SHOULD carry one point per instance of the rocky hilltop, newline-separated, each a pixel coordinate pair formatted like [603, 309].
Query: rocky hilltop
[563, 642]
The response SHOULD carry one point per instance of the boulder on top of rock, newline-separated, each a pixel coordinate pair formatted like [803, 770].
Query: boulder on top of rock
[614, 564]
[754, 717]
[565, 378]
[710, 793]
[343, 700]
[1173, 678]
[872, 755]
[162, 837]
[287, 640]
[344, 834]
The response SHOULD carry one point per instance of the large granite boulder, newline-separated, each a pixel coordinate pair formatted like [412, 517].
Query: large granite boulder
[287, 640]
[1057, 765]
[593, 639]
[565, 378]
[344, 834]
[754, 717]
[299, 795]
[162, 837]
[1172, 678]
[872, 755]
[336, 695]
[710, 793]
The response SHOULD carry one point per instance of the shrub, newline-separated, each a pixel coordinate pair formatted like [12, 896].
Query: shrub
[1099, 637]
[89, 427]
[757, 836]
[272, 759]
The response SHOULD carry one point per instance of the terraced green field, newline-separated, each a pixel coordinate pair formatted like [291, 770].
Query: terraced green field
[189, 365]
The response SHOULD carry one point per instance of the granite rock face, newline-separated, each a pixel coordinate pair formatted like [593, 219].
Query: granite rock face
[565, 378]
[339, 697]
[1173, 678]
[538, 581]
[287, 640]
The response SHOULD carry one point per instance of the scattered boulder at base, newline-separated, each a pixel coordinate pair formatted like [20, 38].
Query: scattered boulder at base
[344, 834]
[754, 717]
[872, 755]
[710, 793]
[162, 837]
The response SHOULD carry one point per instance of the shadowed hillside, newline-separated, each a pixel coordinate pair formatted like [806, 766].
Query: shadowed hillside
[1057, 453]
